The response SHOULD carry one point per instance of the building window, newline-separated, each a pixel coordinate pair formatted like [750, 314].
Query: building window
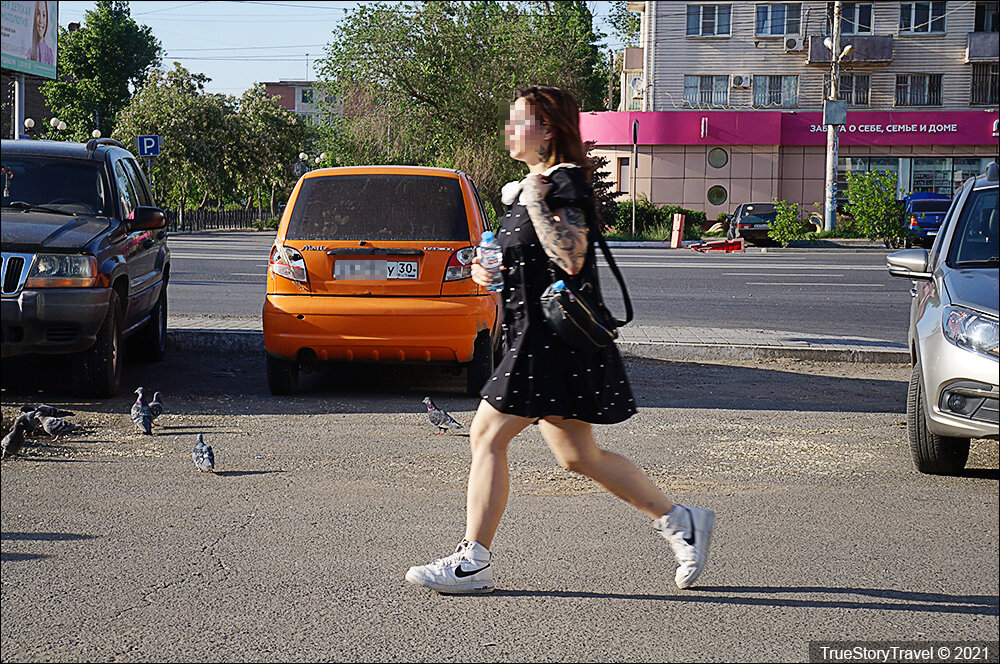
[718, 157]
[853, 88]
[306, 95]
[855, 18]
[623, 173]
[984, 83]
[918, 89]
[717, 195]
[708, 20]
[706, 90]
[986, 17]
[921, 17]
[778, 19]
[775, 90]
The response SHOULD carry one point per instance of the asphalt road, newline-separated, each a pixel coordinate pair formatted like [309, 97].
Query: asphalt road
[830, 291]
[115, 549]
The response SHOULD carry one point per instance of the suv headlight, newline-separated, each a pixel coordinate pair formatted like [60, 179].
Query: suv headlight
[972, 330]
[62, 271]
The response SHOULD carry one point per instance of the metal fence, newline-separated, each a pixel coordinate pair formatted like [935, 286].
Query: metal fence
[204, 220]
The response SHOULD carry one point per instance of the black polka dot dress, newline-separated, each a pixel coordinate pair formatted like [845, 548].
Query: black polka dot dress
[540, 375]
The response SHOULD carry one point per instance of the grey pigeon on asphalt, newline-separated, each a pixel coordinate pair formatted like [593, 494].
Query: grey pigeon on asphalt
[439, 418]
[203, 456]
[56, 426]
[30, 422]
[14, 440]
[156, 406]
[46, 410]
[141, 416]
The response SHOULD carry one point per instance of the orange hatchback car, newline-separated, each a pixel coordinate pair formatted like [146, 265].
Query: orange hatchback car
[373, 264]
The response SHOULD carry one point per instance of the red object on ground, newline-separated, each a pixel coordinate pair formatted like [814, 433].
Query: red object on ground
[735, 246]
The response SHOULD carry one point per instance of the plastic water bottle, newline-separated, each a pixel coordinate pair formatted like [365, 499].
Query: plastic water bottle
[491, 258]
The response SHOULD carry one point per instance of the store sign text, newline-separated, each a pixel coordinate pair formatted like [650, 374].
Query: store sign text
[889, 129]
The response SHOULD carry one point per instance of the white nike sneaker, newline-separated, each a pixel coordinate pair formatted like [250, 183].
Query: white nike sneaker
[465, 572]
[689, 531]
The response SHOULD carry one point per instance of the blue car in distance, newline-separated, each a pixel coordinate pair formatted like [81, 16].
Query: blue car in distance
[924, 213]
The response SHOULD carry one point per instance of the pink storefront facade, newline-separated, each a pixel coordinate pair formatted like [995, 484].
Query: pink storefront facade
[715, 160]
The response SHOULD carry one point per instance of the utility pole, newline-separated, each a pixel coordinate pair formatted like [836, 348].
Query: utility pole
[611, 78]
[832, 130]
[634, 168]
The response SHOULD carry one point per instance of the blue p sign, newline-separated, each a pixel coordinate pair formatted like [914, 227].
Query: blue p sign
[149, 146]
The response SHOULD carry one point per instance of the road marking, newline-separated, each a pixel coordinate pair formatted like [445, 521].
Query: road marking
[753, 266]
[218, 257]
[822, 284]
[248, 274]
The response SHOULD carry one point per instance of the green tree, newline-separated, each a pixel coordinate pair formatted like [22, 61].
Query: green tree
[437, 78]
[625, 25]
[100, 65]
[871, 200]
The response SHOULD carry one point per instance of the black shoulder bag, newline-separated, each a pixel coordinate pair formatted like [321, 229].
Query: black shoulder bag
[574, 311]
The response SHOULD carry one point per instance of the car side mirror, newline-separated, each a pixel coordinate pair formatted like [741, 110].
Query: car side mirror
[910, 264]
[146, 219]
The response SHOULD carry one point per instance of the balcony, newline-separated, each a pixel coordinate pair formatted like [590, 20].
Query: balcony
[982, 47]
[866, 49]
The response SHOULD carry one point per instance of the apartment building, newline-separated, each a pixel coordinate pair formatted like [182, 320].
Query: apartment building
[305, 99]
[728, 99]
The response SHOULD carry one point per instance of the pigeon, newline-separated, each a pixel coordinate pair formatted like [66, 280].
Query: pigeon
[30, 422]
[55, 426]
[48, 411]
[439, 418]
[14, 439]
[204, 458]
[141, 416]
[156, 406]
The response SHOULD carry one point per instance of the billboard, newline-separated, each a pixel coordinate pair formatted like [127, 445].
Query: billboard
[29, 30]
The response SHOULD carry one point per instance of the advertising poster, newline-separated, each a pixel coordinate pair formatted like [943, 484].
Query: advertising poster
[29, 30]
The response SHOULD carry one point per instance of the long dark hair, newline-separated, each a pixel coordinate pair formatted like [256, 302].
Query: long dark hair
[561, 115]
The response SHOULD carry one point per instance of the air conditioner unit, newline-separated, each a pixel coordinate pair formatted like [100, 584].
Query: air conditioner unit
[794, 44]
[739, 80]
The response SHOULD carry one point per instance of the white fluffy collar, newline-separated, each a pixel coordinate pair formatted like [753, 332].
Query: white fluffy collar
[512, 190]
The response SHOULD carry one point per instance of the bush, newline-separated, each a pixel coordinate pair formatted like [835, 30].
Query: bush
[790, 223]
[269, 224]
[655, 223]
[871, 201]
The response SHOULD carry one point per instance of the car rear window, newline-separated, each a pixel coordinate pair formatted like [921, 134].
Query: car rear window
[69, 185]
[379, 207]
[930, 206]
[761, 211]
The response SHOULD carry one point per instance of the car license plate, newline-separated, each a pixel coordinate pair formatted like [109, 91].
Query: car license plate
[373, 270]
[760, 225]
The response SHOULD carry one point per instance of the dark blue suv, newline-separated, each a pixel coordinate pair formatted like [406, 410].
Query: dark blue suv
[924, 212]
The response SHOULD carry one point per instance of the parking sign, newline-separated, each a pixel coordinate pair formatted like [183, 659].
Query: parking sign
[149, 146]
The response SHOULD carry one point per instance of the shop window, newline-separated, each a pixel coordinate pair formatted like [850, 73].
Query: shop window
[964, 168]
[984, 83]
[931, 174]
[855, 18]
[708, 20]
[921, 17]
[986, 17]
[702, 91]
[717, 194]
[853, 88]
[778, 19]
[775, 90]
[623, 174]
[918, 89]
[718, 157]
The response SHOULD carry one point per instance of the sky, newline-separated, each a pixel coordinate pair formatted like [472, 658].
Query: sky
[239, 43]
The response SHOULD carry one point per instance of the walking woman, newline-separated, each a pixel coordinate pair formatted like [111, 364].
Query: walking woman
[540, 378]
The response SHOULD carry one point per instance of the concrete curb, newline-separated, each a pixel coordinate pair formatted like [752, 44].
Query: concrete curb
[215, 341]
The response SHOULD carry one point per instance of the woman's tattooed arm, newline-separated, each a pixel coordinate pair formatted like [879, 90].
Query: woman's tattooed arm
[563, 232]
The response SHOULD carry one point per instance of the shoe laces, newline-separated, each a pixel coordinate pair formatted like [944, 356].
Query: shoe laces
[461, 554]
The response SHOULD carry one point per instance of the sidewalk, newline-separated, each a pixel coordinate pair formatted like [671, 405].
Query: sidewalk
[844, 245]
[217, 333]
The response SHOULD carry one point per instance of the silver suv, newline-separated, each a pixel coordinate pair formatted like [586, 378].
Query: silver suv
[954, 330]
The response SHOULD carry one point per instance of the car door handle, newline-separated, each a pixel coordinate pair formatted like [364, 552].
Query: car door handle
[147, 243]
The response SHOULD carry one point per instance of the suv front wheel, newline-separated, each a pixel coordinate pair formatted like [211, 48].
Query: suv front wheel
[932, 454]
[98, 370]
[150, 343]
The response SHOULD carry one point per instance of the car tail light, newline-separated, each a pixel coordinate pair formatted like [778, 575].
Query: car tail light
[288, 263]
[460, 264]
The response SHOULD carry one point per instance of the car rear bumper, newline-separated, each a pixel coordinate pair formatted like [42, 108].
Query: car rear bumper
[52, 320]
[948, 369]
[376, 329]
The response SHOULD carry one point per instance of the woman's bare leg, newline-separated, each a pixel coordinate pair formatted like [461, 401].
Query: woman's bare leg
[572, 443]
[489, 436]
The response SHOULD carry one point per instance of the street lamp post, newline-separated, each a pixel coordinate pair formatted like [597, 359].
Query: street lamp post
[832, 130]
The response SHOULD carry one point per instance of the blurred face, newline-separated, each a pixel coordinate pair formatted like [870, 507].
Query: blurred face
[525, 133]
[41, 18]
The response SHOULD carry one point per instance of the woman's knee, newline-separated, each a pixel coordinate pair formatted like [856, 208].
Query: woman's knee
[578, 461]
